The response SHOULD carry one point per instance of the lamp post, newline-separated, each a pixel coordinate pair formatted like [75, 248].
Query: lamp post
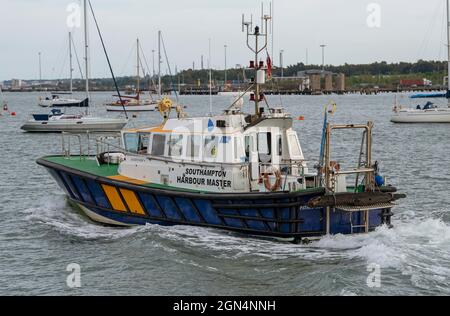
[281, 62]
[40, 67]
[323, 57]
[225, 46]
[153, 59]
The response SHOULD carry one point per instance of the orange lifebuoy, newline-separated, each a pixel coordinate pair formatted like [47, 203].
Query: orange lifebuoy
[269, 186]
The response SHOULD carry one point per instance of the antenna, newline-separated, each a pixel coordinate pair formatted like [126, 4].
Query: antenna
[259, 67]
[210, 78]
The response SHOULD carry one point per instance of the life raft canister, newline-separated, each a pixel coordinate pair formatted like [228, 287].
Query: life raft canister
[268, 185]
[165, 105]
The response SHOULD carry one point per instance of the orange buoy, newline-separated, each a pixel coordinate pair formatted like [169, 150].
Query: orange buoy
[301, 118]
[13, 113]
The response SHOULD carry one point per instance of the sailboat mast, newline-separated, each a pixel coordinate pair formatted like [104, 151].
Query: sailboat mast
[86, 51]
[138, 71]
[159, 64]
[70, 58]
[448, 48]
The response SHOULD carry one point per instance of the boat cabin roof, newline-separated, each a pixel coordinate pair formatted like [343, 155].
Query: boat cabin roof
[220, 139]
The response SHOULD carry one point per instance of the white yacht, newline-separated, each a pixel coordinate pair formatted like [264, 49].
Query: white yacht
[60, 99]
[133, 103]
[58, 122]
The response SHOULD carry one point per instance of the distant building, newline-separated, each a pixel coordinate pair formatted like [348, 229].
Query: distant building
[16, 84]
[315, 82]
[340, 82]
[328, 83]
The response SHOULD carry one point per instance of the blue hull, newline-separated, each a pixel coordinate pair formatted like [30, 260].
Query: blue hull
[283, 215]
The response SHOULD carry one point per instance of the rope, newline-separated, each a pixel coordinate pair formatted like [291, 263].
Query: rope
[107, 59]
[168, 66]
[78, 60]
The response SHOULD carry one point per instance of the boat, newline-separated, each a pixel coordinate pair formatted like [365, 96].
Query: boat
[133, 103]
[235, 94]
[430, 95]
[429, 113]
[236, 171]
[60, 99]
[56, 100]
[58, 122]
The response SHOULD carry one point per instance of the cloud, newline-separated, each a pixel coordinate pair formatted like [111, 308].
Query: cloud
[410, 29]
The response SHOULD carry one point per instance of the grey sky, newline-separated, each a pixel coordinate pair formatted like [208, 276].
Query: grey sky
[410, 29]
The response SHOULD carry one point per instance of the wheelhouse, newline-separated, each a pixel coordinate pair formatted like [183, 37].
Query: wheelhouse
[245, 154]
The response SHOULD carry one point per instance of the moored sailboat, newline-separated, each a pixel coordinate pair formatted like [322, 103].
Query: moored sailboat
[57, 122]
[133, 103]
[60, 99]
[429, 113]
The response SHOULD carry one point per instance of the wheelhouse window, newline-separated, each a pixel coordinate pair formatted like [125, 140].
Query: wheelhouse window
[280, 145]
[265, 147]
[238, 148]
[144, 142]
[193, 146]
[175, 145]
[131, 142]
[248, 146]
[211, 146]
[158, 145]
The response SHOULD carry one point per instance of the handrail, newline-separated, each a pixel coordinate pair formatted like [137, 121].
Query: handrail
[66, 152]
[355, 171]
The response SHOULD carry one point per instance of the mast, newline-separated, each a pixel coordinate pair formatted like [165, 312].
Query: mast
[86, 52]
[138, 71]
[40, 70]
[70, 58]
[448, 48]
[159, 64]
[259, 68]
[210, 79]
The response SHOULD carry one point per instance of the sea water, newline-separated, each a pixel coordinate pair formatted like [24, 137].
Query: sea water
[41, 235]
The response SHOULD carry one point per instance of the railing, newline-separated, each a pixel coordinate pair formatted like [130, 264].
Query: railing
[86, 151]
[67, 144]
[366, 151]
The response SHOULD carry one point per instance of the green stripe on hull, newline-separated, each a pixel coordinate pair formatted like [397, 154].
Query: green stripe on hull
[85, 165]
[89, 165]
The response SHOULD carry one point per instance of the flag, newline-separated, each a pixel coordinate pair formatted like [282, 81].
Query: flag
[269, 67]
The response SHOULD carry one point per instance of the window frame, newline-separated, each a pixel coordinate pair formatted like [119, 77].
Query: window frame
[180, 139]
[189, 147]
[125, 142]
[207, 152]
[164, 144]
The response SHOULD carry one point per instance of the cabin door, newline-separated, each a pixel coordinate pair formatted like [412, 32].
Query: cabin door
[252, 155]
